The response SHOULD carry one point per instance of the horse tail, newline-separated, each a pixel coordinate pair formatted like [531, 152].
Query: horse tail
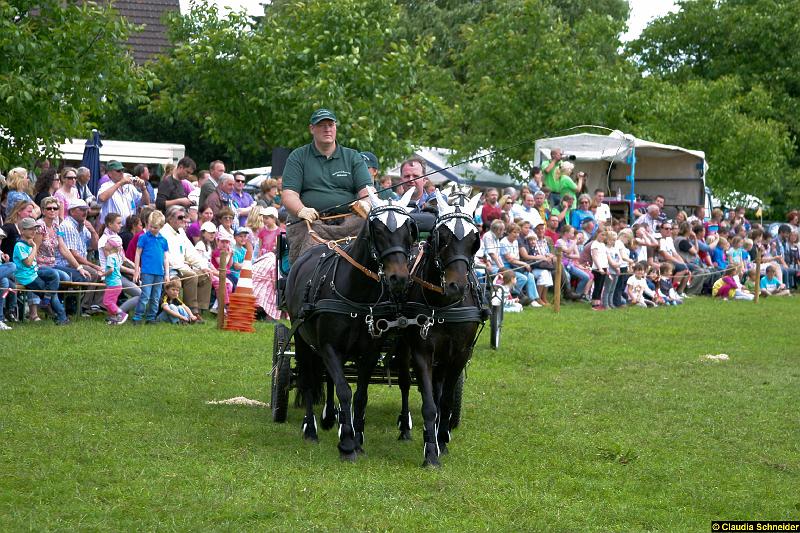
[310, 373]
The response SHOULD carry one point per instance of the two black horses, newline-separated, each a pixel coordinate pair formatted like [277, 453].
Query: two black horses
[338, 307]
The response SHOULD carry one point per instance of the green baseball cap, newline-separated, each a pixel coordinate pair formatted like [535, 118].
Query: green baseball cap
[322, 114]
[371, 160]
[114, 165]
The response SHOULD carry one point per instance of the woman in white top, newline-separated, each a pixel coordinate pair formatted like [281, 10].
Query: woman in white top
[599, 268]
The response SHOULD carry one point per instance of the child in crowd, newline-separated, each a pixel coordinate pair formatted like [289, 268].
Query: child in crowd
[207, 242]
[636, 287]
[223, 245]
[599, 258]
[653, 278]
[771, 285]
[614, 269]
[509, 282]
[28, 273]
[736, 253]
[666, 290]
[239, 252]
[112, 264]
[152, 267]
[719, 255]
[752, 279]
[728, 286]
[571, 260]
[172, 307]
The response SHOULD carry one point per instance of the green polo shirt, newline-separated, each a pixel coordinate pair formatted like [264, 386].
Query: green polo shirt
[323, 182]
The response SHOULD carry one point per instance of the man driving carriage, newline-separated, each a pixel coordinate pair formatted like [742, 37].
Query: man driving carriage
[317, 177]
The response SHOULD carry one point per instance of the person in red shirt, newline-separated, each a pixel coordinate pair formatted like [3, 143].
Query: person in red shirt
[491, 209]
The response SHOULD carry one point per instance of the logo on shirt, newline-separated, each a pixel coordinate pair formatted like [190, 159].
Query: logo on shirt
[341, 174]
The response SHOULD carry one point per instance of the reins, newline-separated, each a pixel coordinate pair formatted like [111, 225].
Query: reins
[334, 247]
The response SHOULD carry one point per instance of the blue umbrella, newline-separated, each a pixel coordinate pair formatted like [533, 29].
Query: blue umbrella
[91, 160]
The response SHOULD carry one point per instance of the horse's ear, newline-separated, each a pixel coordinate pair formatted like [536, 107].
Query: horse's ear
[447, 191]
[441, 203]
[373, 198]
[472, 205]
[404, 201]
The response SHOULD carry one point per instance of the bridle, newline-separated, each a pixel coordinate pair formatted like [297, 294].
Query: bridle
[390, 209]
[440, 265]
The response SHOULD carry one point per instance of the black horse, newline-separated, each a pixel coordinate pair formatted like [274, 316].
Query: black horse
[335, 306]
[446, 291]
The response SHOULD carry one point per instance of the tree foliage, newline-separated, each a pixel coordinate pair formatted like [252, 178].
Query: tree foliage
[255, 86]
[60, 63]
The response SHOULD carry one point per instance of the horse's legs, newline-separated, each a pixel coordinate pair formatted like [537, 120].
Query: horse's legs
[308, 385]
[347, 442]
[329, 412]
[446, 406]
[424, 379]
[365, 367]
[404, 382]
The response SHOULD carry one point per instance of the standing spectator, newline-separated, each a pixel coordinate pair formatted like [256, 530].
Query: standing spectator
[143, 173]
[170, 190]
[221, 198]
[535, 183]
[82, 186]
[491, 208]
[202, 178]
[67, 192]
[46, 185]
[185, 263]
[28, 274]
[113, 223]
[19, 188]
[582, 212]
[113, 276]
[241, 198]
[599, 269]
[550, 170]
[373, 167]
[121, 194]
[602, 212]
[224, 244]
[151, 267]
[215, 171]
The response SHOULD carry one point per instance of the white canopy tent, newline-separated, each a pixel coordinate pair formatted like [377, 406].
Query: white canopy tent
[676, 173]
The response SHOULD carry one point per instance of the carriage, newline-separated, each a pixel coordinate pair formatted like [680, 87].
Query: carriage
[392, 331]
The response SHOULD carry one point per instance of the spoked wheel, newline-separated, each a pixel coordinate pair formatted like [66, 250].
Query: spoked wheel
[281, 374]
[496, 318]
[458, 395]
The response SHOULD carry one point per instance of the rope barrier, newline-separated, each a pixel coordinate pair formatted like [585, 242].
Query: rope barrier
[93, 284]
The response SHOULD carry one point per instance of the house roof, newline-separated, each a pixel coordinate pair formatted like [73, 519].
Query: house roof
[152, 40]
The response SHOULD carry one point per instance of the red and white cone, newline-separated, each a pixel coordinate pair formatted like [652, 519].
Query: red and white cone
[242, 305]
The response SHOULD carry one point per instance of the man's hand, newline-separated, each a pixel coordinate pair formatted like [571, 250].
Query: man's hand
[308, 213]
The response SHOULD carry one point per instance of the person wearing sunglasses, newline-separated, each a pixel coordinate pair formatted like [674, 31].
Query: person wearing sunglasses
[242, 198]
[186, 263]
[67, 191]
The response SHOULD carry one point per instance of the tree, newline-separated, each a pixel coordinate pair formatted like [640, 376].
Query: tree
[254, 86]
[60, 63]
[529, 73]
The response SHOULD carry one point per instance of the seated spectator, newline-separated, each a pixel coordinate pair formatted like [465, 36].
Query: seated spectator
[771, 285]
[526, 281]
[666, 289]
[563, 211]
[573, 267]
[225, 220]
[543, 261]
[208, 240]
[67, 190]
[185, 263]
[28, 274]
[7, 282]
[491, 246]
[46, 185]
[491, 208]
[668, 253]
[193, 231]
[172, 308]
[224, 244]
[582, 212]
[551, 229]
[602, 212]
[53, 244]
[144, 215]
[636, 288]
[728, 286]
[529, 211]
[269, 193]
[719, 255]
[19, 187]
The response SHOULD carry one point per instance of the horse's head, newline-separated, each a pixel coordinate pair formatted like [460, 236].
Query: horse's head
[392, 232]
[455, 240]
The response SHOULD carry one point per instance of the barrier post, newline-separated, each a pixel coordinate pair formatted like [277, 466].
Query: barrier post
[557, 283]
[221, 292]
[758, 275]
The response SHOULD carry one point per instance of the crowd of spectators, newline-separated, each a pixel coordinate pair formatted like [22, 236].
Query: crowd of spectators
[131, 251]
[158, 253]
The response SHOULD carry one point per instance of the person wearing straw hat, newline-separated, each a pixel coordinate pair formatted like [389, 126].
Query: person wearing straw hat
[322, 176]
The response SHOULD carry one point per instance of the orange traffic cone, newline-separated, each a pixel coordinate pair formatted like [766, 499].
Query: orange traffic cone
[242, 304]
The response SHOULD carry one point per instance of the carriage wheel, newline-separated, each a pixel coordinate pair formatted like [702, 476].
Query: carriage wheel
[280, 339]
[281, 380]
[281, 375]
[458, 396]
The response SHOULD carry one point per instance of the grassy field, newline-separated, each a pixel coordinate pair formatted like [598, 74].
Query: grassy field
[582, 422]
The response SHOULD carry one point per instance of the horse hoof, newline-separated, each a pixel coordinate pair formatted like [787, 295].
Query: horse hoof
[404, 435]
[350, 457]
[431, 463]
[443, 449]
[311, 438]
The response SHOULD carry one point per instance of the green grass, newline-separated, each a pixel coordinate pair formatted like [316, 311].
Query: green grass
[582, 422]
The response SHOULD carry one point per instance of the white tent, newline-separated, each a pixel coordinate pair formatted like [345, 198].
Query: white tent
[676, 173]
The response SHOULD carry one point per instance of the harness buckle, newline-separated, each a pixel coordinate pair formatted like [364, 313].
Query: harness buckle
[423, 331]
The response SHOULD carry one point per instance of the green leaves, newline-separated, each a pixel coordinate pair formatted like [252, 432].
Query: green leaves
[59, 62]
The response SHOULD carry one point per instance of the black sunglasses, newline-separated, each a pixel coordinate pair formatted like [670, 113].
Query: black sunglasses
[181, 217]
